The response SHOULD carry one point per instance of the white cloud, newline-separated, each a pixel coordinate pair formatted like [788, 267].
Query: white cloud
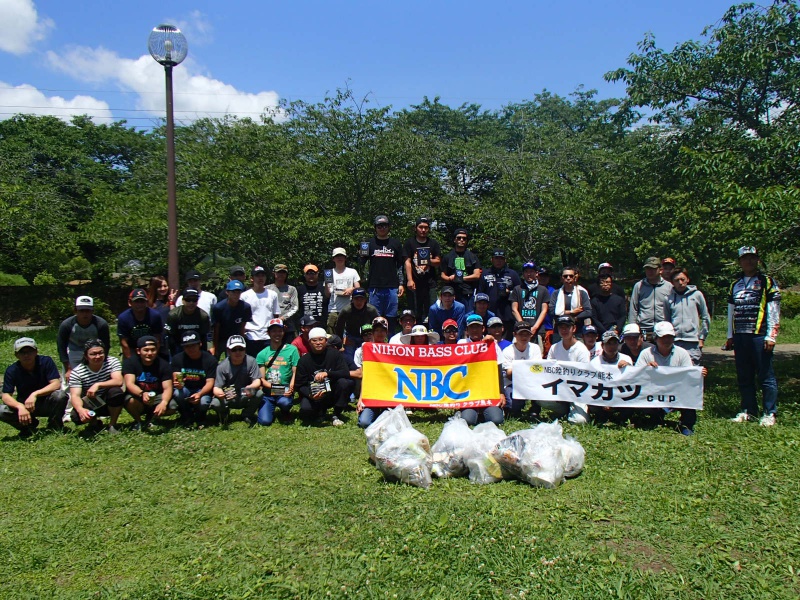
[196, 95]
[196, 27]
[28, 100]
[21, 26]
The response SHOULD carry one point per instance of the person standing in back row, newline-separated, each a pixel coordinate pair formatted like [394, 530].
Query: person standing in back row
[648, 298]
[385, 258]
[422, 255]
[462, 270]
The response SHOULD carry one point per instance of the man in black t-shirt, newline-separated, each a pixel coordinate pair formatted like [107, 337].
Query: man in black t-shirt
[323, 380]
[313, 295]
[422, 255]
[461, 269]
[148, 383]
[185, 318]
[604, 269]
[230, 316]
[530, 301]
[385, 257]
[193, 374]
[38, 390]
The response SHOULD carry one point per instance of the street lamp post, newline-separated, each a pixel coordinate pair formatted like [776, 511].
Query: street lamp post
[167, 45]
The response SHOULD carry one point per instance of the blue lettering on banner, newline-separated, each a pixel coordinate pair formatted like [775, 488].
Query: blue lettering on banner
[429, 385]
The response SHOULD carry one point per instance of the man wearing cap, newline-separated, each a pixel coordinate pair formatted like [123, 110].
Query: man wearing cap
[385, 257]
[568, 349]
[648, 297]
[422, 255]
[137, 321]
[521, 349]
[461, 270]
[237, 383]
[633, 342]
[495, 328]
[447, 307]
[498, 283]
[193, 373]
[570, 300]
[667, 268]
[313, 296]
[95, 387]
[407, 320]
[236, 273]
[380, 330]
[355, 315]
[230, 316]
[76, 330]
[608, 308]
[603, 270]
[666, 354]
[323, 380]
[277, 365]
[482, 308]
[449, 332]
[589, 338]
[341, 281]
[307, 323]
[420, 336]
[686, 309]
[35, 380]
[185, 318]
[476, 331]
[148, 383]
[475, 334]
[754, 313]
[546, 331]
[287, 299]
[611, 356]
[205, 300]
[530, 300]
[264, 307]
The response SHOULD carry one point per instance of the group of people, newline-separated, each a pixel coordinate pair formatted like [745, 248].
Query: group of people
[285, 345]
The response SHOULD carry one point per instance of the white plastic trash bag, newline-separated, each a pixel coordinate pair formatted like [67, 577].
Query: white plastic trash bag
[448, 451]
[574, 457]
[406, 457]
[385, 426]
[483, 468]
[531, 457]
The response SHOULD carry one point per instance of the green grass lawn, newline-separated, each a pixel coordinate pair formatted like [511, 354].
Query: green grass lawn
[297, 512]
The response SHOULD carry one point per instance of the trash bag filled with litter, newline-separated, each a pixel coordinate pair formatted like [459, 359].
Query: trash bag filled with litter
[449, 450]
[406, 457]
[483, 468]
[385, 426]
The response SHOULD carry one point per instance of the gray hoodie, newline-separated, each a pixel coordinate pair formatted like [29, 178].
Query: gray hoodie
[688, 313]
[647, 303]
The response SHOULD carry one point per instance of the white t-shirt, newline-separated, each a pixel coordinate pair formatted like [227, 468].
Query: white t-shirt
[600, 360]
[341, 281]
[395, 339]
[265, 306]
[512, 353]
[206, 301]
[577, 352]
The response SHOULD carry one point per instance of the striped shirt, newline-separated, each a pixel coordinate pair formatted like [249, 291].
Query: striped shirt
[83, 377]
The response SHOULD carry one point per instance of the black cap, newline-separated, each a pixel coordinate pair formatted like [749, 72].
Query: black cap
[408, 313]
[307, 321]
[448, 290]
[381, 220]
[193, 275]
[425, 220]
[565, 319]
[522, 325]
[191, 293]
[359, 293]
[146, 340]
[236, 270]
[258, 269]
[190, 337]
[499, 253]
[137, 294]
[335, 341]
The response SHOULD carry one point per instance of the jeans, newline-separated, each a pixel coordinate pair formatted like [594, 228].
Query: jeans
[51, 406]
[266, 414]
[752, 362]
[193, 413]
[689, 416]
[513, 406]
[248, 404]
[385, 300]
[490, 413]
[367, 416]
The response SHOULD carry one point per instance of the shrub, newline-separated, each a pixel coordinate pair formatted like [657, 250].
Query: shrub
[10, 280]
[52, 312]
[790, 305]
[44, 278]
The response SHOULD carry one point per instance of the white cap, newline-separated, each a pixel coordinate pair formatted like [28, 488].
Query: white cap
[25, 342]
[317, 332]
[631, 329]
[339, 252]
[663, 328]
[84, 302]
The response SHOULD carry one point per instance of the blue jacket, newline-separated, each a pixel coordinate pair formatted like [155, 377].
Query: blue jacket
[438, 315]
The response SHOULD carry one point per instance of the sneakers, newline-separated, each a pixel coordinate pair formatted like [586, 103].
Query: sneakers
[686, 431]
[112, 430]
[742, 417]
[137, 426]
[336, 421]
[767, 421]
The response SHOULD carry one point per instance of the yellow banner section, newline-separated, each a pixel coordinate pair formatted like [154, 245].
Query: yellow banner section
[471, 385]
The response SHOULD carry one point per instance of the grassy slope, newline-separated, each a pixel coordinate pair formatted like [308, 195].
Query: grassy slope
[299, 512]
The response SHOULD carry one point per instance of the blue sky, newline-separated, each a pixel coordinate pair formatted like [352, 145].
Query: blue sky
[91, 56]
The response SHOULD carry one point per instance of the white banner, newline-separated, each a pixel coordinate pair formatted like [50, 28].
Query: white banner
[630, 387]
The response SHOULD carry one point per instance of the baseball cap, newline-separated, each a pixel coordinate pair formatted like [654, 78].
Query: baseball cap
[236, 270]
[236, 341]
[275, 323]
[494, 321]
[611, 334]
[146, 340]
[234, 285]
[137, 294]
[25, 342]
[425, 220]
[258, 269]
[530, 265]
[460, 231]
[631, 329]
[307, 321]
[481, 297]
[565, 319]
[449, 323]
[522, 326]
[543, 271]
[474, 319]
[359, 293]
[605, 265]
[308, 268]
[663, 328]
[280, 267]
[589, 329]
[316, 333]
[745, 250]
[190, 338]
[335, 341]
[669, 260]
[498, 252]
[192, 275]
[193, 293]
[366, 328]
[381, 220]
[652, 263]
[447, 290]
[84, 302]
[338, 252]
[408, 313]
[380, 322]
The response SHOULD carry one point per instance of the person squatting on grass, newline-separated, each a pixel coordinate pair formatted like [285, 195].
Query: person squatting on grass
[95, 387]
[148, 382]
[278, 369]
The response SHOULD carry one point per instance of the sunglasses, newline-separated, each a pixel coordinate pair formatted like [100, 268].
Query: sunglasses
[568, 277]
[382, 226]
[461, 237]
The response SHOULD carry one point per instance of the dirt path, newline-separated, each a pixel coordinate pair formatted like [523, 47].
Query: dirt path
[781, 351]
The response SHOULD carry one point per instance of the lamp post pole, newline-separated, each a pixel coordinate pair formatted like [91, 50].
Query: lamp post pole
[167, 45]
